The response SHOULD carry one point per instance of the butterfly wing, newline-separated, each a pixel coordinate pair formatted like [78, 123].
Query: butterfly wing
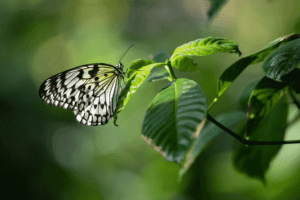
[91, 91]
[98, 106]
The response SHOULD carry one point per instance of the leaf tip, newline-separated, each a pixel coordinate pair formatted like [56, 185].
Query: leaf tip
[238, 51]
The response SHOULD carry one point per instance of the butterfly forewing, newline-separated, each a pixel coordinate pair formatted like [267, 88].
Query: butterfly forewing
[91, 91]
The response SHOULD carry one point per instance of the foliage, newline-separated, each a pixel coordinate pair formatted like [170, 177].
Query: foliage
[255, 160]
[176, 116]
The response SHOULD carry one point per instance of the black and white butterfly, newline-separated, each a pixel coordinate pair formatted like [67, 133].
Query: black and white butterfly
[91, 91]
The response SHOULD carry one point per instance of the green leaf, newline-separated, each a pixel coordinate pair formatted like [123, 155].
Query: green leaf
[232, 72]
[283, 60]
[215, 7]
[254, 161]
[243, 99]
[174, 119]
[209, 133]
[264, 97]
[159, 73]
[205, 47]
[133, 83]
[136, 65]
[184, 63]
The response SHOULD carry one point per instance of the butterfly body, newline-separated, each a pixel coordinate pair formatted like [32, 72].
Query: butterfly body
[91, 91]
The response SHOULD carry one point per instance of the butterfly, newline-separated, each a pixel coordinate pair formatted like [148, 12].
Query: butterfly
[91, 91]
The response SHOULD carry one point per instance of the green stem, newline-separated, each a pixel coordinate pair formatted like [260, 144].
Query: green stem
[212, 103]
[170, 70]
[249, 142]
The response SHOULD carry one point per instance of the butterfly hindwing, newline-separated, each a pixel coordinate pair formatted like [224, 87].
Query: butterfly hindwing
[91, 91]
[96, 109]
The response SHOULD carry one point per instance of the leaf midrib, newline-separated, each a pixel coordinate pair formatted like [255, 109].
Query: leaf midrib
[175, 116]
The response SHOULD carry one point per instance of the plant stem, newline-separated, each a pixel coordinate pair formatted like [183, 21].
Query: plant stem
[249, 142]
[212, 103]
[170, 70]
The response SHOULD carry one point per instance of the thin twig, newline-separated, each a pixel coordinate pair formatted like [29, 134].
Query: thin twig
[249, 142]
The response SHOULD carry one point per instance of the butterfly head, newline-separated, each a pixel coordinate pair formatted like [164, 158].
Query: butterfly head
[120, 65]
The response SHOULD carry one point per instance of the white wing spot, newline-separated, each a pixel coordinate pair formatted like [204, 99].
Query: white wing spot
[72, 74]
[79, 83]
[72, 82]
[66, 106]
[102, 99]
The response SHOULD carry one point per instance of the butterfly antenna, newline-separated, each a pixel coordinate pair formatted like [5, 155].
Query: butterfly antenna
[125, 52]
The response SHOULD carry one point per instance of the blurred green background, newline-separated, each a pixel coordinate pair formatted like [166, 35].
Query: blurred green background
[46, 154]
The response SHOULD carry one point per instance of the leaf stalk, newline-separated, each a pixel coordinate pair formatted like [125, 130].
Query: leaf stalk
[170, 70]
